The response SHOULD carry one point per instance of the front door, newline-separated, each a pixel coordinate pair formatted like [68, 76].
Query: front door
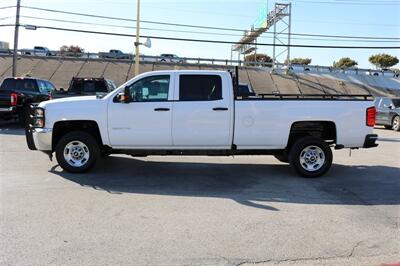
[144, 122]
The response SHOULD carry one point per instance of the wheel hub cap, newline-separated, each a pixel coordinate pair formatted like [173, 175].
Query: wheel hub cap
[312, 158]
[76, 153]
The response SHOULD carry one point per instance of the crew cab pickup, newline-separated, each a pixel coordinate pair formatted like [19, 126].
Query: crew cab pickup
[197, 113]
[17, 94]
[114, 54]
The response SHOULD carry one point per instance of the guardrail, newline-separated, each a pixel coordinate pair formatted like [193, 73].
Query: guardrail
[208, 61]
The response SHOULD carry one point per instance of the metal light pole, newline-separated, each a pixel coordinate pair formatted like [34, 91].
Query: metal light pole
[16, 31]
[137, 38]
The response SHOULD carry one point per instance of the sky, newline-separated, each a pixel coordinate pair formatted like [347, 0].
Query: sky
[376, 18]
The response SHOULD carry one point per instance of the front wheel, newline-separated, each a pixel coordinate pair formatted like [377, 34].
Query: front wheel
[77, 152]
[396, 123]
[310, 157]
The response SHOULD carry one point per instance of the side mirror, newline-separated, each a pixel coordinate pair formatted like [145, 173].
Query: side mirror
[124, 97]
[127, 95]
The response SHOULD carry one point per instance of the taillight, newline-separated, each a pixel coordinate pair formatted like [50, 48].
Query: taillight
[371, 115]
[50, 96]
[14, 99]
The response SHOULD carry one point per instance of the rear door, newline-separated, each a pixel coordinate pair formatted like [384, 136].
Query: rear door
[202, 113]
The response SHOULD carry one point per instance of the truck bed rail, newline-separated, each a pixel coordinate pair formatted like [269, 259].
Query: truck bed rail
[283, 96]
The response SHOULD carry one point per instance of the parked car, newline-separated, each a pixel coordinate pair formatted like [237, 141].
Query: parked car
[4, 48]
[388, 112]
[375, 73]
[16, 94]
[171, 58]
[114, 54]
[38, 51]
[80, 86]
[196, 113]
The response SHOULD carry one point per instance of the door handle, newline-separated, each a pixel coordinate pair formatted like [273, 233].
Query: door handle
[161, 109]
[220, 109]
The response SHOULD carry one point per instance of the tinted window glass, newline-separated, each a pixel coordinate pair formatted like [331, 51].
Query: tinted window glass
[19, 85]
[396, 103]
[88, 86]
[42, 86]
[149, 89]
[200, 87]
[385, 102]
[50, 87]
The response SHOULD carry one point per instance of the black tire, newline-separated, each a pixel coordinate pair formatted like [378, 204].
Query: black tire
[396, 123]
[283, 157]
[323, 154]
[89, 143]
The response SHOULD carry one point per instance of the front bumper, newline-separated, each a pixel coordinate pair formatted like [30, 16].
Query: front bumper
[39, 139]
[370, 140]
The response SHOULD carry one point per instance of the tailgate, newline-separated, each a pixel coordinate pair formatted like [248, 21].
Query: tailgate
[5, 100]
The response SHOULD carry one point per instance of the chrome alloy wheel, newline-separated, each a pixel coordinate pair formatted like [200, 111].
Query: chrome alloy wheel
[312, 158]
[396, 123]
[76, 153]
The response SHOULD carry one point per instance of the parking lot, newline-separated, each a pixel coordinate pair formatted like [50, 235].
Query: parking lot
[199, 210]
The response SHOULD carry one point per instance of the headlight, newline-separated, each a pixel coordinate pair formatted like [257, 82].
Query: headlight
[39, 112]
[38, 118]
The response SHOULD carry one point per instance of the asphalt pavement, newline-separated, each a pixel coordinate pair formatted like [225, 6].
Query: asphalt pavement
[199, 210]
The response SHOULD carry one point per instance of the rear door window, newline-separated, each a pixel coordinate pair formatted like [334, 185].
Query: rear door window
[200, 88]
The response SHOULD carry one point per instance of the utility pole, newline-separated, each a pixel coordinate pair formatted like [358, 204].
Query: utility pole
[137, 38]
[16, 31]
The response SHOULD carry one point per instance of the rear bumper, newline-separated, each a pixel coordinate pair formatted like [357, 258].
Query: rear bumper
[8, 110]
[370, 141]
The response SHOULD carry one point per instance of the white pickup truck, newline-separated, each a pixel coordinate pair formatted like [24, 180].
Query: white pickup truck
[198, 113]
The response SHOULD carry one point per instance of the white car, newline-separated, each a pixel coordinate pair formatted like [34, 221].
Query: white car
[38, 51]
[186, 112]
[171, 58]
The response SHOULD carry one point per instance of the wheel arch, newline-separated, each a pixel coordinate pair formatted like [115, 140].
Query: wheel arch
[326, 130]
[392, 116]
[91, 127]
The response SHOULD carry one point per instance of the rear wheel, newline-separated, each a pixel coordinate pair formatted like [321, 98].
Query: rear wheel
[310, 157]
[77, 152]
[396, 123]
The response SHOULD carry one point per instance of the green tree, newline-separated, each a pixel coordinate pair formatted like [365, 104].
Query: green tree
[383, 60]
[345, 62]
[72, 50]
[261, 58]
[300, 61]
